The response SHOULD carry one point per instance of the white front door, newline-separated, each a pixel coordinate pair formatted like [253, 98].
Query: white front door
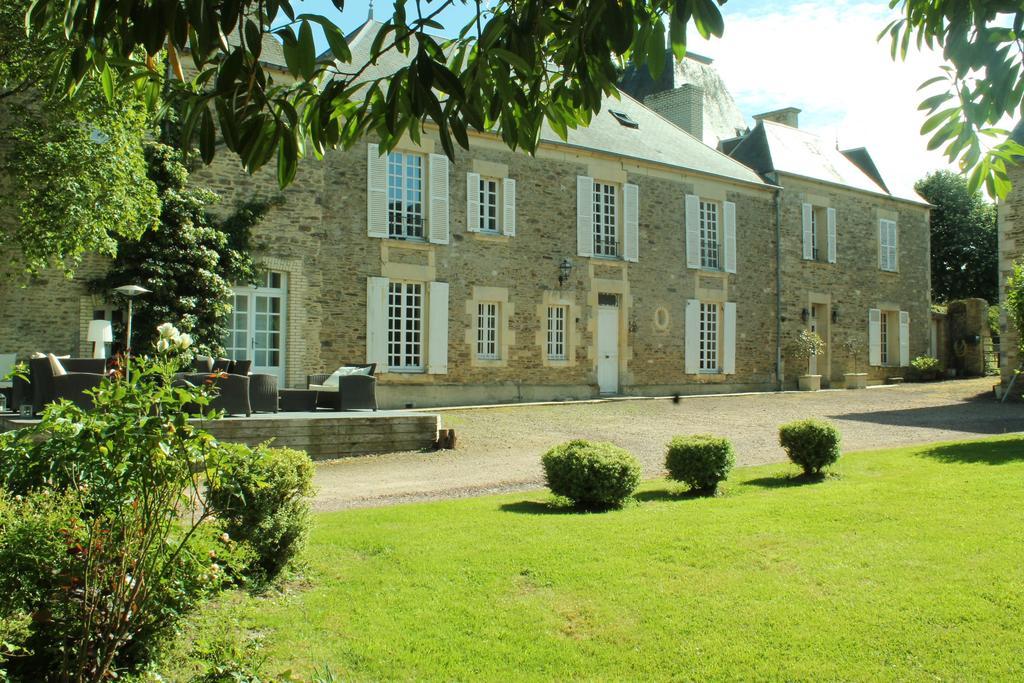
[608, 349]
[257, 325]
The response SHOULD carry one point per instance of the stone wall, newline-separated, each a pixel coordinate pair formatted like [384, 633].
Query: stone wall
[854, 284]
[1011, 249]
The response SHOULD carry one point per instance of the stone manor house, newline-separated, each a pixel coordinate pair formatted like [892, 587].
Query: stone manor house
[665, 249]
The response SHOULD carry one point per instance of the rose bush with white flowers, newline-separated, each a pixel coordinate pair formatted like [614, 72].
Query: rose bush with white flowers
[113, 541]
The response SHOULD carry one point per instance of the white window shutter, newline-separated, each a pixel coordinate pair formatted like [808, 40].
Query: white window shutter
[894, 240]
[808, 237]
[376, 192]
[437, 325]
[729, 339]
[692, 217]
[508, 195]
[729, 238]
[631, 223]
[473, 202]
[874, 336]
[584, 215]
[831, 214]
[377, 322]
[904, 339]
[691, 337]
[439, 200]
[882, 251]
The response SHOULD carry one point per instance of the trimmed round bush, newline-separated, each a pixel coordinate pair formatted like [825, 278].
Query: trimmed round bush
[811, 444]
[591, 474]
[701, 461]
[265, 503]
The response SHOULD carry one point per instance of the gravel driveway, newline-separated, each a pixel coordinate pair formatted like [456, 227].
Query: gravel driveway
[499, 448]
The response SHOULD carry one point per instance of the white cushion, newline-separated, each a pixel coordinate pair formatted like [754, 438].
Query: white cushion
[56, 367]
[322, 387]
[344, 371]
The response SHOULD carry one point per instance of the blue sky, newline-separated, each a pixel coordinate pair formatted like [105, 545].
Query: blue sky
[816, 55]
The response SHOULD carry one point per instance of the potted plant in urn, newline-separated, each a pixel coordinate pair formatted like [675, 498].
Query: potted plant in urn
[854, 379]
[807, 345]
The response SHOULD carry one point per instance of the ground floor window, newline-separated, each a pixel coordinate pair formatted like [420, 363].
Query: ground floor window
[709, 336]
[556, 332]
[487, 331]
[885, 337]
[405, 326]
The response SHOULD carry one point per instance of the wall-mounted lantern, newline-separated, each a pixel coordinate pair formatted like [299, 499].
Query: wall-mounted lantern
[564, 271]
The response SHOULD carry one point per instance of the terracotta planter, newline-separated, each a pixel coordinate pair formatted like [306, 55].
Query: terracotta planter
[810, 382]
[856, 380]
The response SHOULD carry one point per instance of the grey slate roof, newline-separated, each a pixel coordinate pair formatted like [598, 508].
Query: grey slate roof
[774, 147]
[656, 139]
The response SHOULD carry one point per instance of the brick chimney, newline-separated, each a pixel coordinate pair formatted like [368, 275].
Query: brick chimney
[787, 117]
[683, 106]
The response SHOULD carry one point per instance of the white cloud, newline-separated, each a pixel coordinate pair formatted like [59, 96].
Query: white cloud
[824, 59]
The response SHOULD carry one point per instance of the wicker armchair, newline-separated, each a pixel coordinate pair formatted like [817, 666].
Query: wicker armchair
[263, 393]
[232, 392]
[355, 392]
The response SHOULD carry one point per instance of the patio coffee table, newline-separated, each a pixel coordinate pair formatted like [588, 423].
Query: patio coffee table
[297, 400]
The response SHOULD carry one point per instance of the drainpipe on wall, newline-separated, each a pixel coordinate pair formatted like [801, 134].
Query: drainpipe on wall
[778, 284]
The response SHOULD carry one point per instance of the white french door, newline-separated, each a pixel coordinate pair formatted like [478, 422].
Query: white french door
[258, 324]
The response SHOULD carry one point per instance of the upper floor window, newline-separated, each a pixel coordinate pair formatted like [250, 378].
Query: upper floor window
[709, 235]
[887, 245]
[489, 205]
[605, 228]
[487, 331]
[815, 235]
[405, 195]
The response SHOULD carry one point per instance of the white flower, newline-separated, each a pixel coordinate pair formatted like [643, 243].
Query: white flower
[163, 345]
[183, 341]
[167, 331]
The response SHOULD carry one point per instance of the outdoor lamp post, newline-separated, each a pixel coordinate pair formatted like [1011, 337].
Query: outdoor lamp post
[130, 291]
[564, 271]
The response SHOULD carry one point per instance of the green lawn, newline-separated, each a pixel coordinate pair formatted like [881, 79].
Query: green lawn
[907, 564]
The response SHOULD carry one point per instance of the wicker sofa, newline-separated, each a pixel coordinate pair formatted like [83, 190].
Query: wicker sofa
[355, 392]
[45, 387]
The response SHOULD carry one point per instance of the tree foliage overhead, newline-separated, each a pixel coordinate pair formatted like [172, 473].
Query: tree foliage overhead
[75, 176]
[515, 65]
[982, 84]
[965, 254]
[189, 262]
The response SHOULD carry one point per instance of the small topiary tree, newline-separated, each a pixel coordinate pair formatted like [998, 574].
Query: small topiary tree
[807, 344]
[811, 444]
[591, 474]
[265, 503]
[700, 461]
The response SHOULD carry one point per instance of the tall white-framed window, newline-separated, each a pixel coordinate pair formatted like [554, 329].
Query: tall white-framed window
[709, 338]
[489, 221]
[405, 195]
[557, 316]
[884, 329]
[487, 330]
[709, 235]
[815, 238]
[605, 223]
[888, 242]
[405, 326]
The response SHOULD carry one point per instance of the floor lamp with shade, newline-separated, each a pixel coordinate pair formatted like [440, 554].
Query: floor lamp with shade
[101, 333]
